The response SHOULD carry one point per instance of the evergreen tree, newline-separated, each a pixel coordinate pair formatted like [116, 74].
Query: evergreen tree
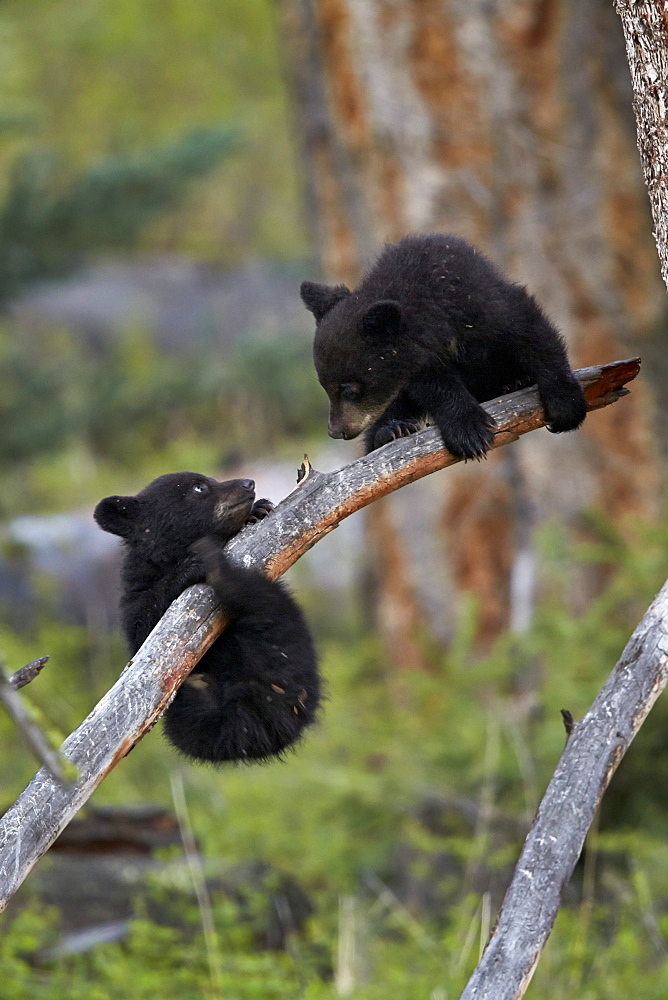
[45, 229]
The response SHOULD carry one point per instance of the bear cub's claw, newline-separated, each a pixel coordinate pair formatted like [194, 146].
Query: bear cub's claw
[470, 438]
[259, 510]
[395, 429]
[565, 409]
[176, 530]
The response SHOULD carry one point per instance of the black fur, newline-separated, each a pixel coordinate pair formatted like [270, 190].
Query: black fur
[433, 330]
[256, 689]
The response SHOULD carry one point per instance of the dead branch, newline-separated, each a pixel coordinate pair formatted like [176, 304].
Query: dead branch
[148, 683]
[593, 751]
[28, 673]
[23, 719]
[568, 721]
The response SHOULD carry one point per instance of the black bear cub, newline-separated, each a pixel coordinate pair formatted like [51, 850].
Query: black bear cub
[433, 330]
[257, 687]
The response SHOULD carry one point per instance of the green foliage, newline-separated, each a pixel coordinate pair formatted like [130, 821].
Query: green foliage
[61, 398]
[594, 955]
[111, 110]
[344, 817]
[158, 960]
[47, 226]
[110, 106]
[272, 384]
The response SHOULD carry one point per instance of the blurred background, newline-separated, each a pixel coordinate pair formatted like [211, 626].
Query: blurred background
[169, 172]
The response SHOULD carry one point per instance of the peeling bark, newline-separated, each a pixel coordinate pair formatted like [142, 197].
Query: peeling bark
[148, 683]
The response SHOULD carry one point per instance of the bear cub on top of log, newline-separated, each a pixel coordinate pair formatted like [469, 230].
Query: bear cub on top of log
[257, 687]
[433, 330]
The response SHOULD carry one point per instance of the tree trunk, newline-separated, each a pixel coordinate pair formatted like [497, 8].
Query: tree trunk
[646, 34]
[511, 124]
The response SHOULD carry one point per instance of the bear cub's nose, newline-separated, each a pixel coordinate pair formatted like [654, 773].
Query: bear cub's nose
[249, 484]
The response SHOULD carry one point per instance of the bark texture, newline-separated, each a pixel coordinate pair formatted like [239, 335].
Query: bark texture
[148, 683]
[646, 34]
[593, 752]
[511, 124]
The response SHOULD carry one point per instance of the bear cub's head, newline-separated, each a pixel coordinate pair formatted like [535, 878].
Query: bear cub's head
[361, 354]
[165, 518]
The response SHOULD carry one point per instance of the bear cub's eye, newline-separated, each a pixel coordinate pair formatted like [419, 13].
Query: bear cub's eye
[350, 391]
[201, 488]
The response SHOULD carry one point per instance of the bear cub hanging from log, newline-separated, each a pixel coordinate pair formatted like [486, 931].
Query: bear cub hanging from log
[257, 688]
[433, 330]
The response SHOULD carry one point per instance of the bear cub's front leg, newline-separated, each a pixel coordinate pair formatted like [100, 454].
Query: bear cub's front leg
[469, 435]
[434, 323]
[466, 427]
[564, 404]
[257, 688]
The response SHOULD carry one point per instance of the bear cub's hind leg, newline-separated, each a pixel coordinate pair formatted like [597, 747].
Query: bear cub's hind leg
[257, 688]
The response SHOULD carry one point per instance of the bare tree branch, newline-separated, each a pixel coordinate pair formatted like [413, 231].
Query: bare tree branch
[594, 749]
[28, 673]
[23, 719]
[148, 683]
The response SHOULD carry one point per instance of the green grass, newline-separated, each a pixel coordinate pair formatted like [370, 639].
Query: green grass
[344, 817]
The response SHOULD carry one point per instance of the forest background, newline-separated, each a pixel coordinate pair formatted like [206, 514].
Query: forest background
[169, 172]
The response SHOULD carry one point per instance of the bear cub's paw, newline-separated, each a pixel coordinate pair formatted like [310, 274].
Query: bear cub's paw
[565, 408]
[226, 579]
[394, 429]
[260, 510]
[175, 532]
[207, 552]
[470, 437]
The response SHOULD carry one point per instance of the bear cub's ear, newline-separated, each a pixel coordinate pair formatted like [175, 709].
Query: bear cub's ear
[319, 299]
[118, 515]
[382, 318]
